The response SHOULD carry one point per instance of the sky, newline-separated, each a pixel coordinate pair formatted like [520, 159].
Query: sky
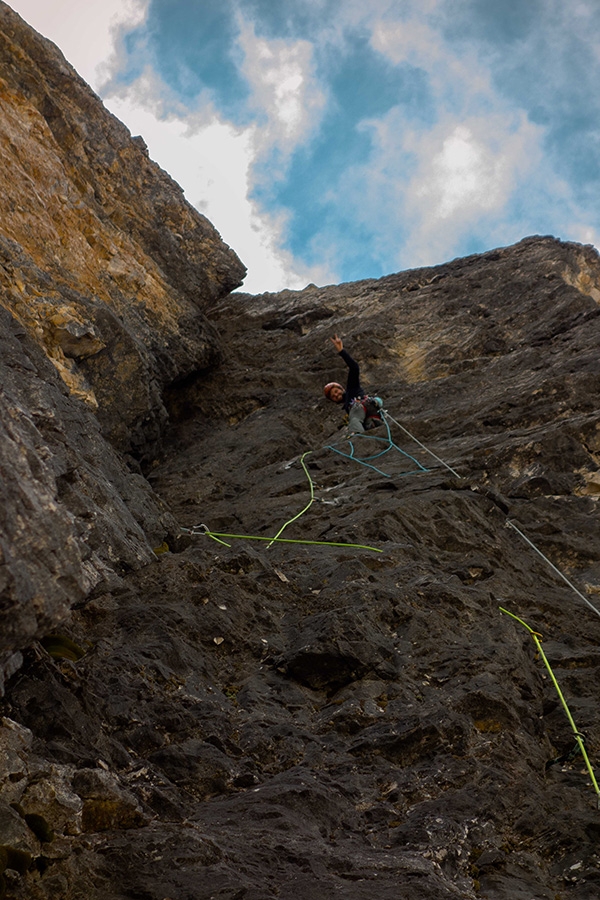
[335, 140]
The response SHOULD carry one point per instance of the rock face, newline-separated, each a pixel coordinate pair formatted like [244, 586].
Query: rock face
[72, 514]
[295, 720]
[191, 713]
[101, 258]
[104, 273]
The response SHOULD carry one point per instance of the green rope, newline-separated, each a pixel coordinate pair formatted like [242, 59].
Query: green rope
[216, 535]
[576, 732]
[215, 538]
[308, 505]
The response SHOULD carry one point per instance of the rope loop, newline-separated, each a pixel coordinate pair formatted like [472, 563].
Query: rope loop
[366, 460]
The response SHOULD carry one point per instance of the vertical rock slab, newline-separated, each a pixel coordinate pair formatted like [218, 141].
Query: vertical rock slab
[71, 513]
[101, 257]
[105, 273]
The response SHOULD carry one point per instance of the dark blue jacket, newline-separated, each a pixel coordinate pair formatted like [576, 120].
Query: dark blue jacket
[353, 388]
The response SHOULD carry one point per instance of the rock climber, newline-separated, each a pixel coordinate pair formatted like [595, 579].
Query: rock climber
[363, 411]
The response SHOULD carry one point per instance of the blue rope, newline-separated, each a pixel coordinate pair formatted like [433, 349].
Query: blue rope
[363, 460]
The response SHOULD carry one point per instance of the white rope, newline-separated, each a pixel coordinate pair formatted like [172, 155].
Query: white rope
[427, 450]
[552, 566]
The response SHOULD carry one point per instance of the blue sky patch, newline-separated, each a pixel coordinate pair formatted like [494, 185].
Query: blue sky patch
[335, 141]
[193, 48]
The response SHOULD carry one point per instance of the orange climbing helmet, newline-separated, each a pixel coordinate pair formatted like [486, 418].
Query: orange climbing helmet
[329, 387]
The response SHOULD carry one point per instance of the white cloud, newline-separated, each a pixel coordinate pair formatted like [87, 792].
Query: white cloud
[410, 40]
[466, 177]
[471, 168]
[210, 158]
[472, 171]
[285, 90]
[583, 233]
[424, 190]
[457, 80]
[213, 161]
[84, 31]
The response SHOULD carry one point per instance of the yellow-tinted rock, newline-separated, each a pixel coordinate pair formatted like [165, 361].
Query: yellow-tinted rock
[102, 259]
[104, 815]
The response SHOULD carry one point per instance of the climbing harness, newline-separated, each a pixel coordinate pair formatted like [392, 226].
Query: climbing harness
[579, 737]
[366, 460]
[512, 525]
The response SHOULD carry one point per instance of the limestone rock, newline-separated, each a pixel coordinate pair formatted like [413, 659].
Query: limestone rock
[102, 260]
[73, 515]
[332, 649]
[105, 274]
[365, 723]
[106, 804]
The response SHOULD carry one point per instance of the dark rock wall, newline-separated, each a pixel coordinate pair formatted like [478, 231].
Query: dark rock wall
[105, 271]
[185, 716]
[72, 513]
[300, 720]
